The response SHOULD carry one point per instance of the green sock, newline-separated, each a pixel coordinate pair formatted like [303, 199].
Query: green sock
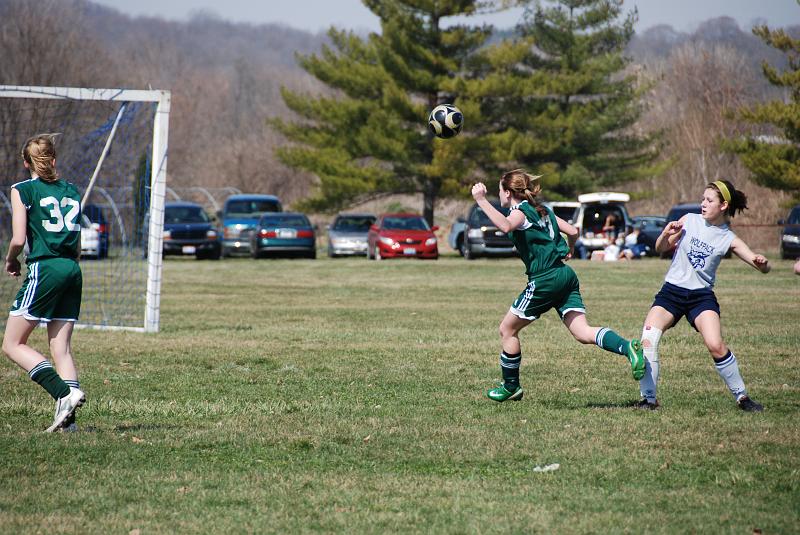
[44, 374]
[611, 341]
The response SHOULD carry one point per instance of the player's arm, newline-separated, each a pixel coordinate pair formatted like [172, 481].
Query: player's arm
[569, 231]
[19, 224]
[670, 236]
[505, 224]
[759, 262]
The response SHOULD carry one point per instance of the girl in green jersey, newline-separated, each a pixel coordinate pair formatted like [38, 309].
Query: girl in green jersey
[536, 233]
[45, 213]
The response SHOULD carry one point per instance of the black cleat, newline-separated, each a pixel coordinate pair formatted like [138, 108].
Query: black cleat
[748, 405]
[646, 405]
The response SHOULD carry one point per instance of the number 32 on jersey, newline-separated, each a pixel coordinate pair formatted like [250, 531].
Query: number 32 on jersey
[61, 220]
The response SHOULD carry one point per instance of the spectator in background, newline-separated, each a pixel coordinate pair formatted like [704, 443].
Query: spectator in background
[632, 248]
[797, 267]
[610, 227]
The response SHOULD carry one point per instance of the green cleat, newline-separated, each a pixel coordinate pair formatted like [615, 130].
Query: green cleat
[500, 394]
[636, 357]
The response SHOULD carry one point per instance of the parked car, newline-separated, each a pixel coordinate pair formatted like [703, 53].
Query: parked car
[188, 231]
[564, 209]
[402, 235]
[677, 212]
[790, 235]
[481, 236]
[650, 228]
[239, 217]
[347, 235]
[90, 239]
[595, 210]
[283, 234]
[95, 215]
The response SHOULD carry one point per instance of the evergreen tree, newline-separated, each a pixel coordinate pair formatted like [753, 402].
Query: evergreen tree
[557, 99]
[370, 136]
[774, 160]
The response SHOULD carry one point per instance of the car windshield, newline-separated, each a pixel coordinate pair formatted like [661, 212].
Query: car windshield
[794, 216]
[478, 217]
[353, 223]
[184, 214]
[651, 224]
[405, 223]
[564, 212]
[250, 208]
[292, 221]
[677, 213]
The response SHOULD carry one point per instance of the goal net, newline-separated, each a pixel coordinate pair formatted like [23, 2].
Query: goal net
[112, 145]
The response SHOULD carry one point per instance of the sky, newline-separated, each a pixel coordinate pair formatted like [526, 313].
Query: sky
[319, 15]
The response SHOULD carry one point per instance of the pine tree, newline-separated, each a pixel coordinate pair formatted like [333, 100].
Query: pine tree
[558, 100]
[370, 134]
[774, 160]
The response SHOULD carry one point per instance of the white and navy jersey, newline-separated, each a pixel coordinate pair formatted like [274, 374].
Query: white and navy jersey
[698, 254]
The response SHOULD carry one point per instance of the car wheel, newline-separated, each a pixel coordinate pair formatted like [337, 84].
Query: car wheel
[460, 244]
[377, 254]
[312, 254]
[468, 255]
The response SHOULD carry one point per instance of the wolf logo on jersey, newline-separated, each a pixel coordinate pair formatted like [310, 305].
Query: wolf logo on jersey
[698, 252]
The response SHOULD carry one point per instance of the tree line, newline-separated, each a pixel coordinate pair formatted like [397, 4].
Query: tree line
[327, 120]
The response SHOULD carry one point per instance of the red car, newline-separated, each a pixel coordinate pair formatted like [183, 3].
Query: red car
[402, 235]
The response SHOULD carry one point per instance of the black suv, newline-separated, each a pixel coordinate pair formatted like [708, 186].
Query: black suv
[790, 234]
[482, 238]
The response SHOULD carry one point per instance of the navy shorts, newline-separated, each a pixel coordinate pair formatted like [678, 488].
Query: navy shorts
[682, 302]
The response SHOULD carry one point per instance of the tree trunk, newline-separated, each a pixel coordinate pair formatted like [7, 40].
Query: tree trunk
[430, 194]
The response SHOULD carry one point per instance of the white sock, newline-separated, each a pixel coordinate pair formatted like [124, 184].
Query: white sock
[728, 369]
[647, 384]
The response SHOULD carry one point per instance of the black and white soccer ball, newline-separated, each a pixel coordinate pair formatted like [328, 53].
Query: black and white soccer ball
[445, 121]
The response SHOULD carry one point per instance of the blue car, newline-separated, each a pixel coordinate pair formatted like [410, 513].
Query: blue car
[790, 234]
[239, 217]
[189, 231]
[283, 234]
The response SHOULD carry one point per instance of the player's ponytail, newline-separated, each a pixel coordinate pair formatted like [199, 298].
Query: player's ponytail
[737, 200]
[40, 153]
[524, 186]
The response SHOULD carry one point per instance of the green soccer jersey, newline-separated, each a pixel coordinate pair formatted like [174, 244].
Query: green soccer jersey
[538, 241]
[54, 209]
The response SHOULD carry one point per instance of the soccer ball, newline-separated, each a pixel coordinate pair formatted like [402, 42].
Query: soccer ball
[445, 121]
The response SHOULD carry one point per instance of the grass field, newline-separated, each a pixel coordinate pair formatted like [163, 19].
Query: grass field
[348, 396]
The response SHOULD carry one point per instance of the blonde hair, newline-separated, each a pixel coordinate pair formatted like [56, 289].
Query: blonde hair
[523, 185]
[39, 152]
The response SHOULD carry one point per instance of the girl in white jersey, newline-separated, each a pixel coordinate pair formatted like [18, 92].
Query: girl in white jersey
[701, 241]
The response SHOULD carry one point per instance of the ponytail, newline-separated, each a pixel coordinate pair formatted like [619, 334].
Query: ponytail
[39, 152]
[524, 186]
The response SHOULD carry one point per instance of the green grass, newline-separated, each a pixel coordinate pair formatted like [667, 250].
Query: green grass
[348, 396]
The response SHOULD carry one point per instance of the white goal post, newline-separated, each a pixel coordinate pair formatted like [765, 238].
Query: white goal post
[153, 220]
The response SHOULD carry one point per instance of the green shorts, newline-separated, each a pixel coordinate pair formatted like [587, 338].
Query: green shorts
[557, 288]
[51, 291]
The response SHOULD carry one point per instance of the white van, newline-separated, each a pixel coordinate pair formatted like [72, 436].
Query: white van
[593, 213]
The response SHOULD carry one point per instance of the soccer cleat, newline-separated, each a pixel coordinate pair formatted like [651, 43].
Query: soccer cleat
[69, 425]
[748, 405]
[501, 394]
[65, 407]
[646, 405]
[636, 358]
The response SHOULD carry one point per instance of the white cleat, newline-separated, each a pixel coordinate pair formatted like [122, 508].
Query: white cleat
[65, 407]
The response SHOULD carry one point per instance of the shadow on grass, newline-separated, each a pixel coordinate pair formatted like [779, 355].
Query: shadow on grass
[145, 427]
[619, 405]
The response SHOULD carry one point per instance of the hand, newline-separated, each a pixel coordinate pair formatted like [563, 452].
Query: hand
[672, 228]
[13, 267]
[761, 263]
[479, 191]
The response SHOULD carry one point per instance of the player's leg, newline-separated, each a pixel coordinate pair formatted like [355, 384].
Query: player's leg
[60, 334]
[605, 338]
[658, 320]
[510, 358]
[708, 324]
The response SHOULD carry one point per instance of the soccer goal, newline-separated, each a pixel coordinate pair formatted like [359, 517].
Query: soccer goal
[113, 147]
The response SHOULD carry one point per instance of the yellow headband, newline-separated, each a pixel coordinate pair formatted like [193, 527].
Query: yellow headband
[726, 194]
